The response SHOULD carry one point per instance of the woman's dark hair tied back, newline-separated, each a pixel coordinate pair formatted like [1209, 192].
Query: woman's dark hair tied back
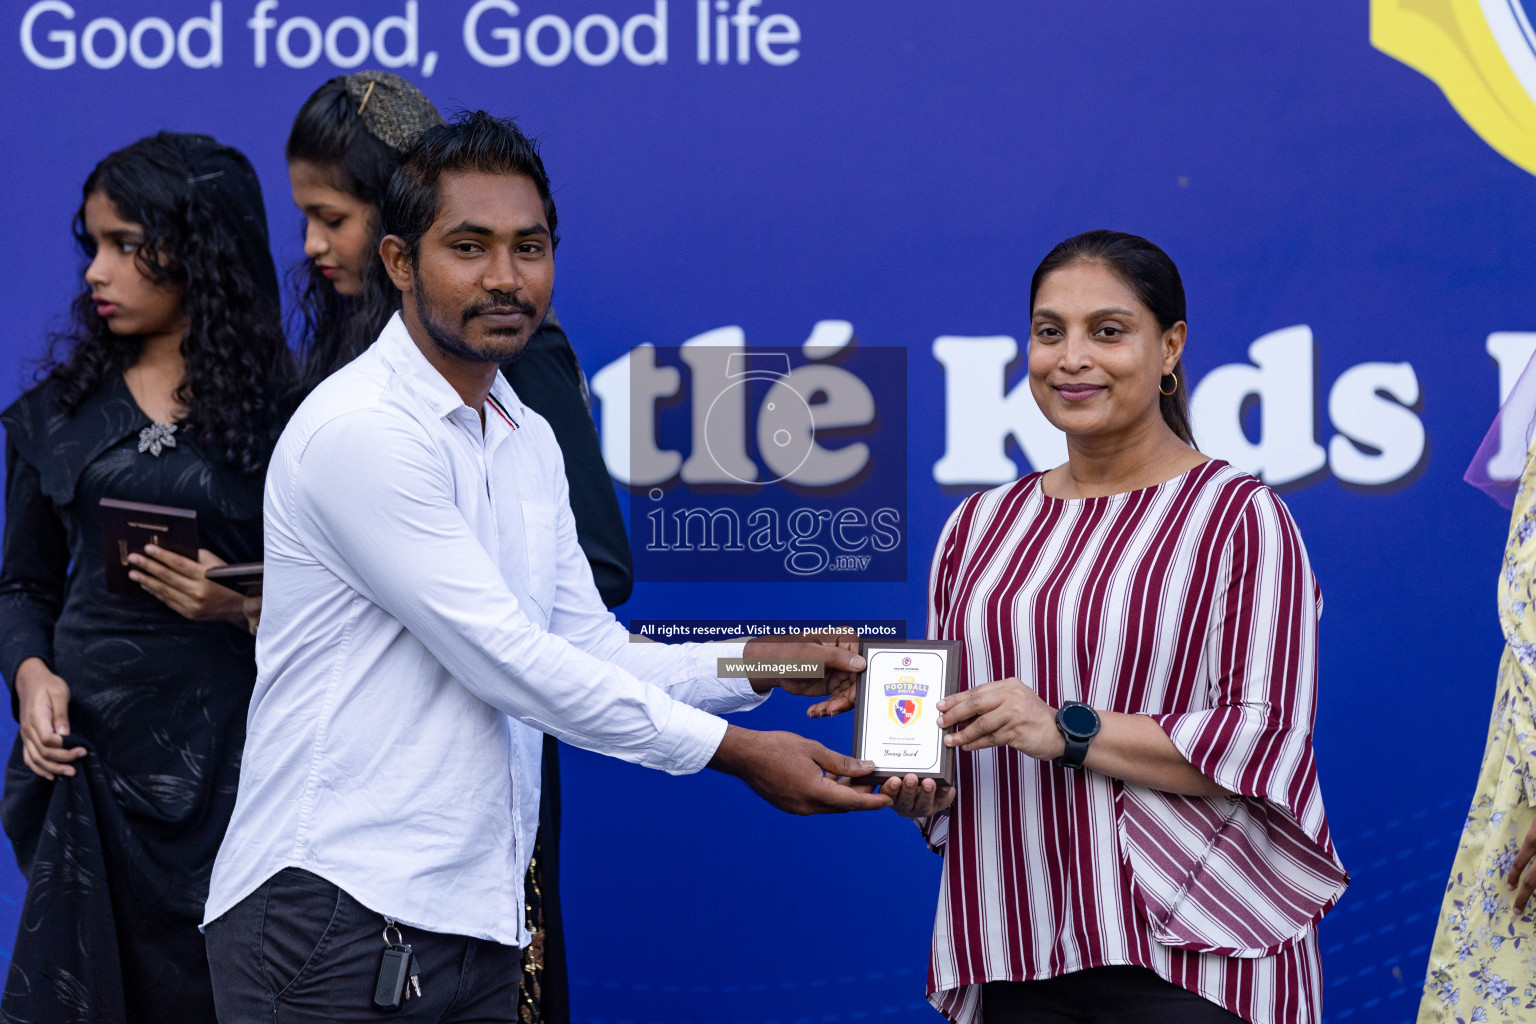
[352, 129]
[1152, 275]
[393, 110]
[205, 231]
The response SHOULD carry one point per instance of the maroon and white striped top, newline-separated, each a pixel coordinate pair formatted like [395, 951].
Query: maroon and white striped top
[1191, 602]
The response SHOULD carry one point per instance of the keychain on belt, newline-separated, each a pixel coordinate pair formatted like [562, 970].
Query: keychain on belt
[398, 979]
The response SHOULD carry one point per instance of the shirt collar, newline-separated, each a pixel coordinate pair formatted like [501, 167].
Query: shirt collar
[421, 377]
[424, 380]
[502, 391]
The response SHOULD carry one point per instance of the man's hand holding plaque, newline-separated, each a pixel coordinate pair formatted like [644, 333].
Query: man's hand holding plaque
[894, 686]
[898, 729]
[841, 664]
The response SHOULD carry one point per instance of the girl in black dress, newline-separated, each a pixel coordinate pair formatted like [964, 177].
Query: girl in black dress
[168, 390]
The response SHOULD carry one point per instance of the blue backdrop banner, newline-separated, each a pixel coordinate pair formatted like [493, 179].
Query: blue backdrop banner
[773, 205]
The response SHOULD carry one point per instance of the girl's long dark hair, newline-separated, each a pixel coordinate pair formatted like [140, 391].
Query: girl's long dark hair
[1152, 275]
[331, 134]
[205, 230]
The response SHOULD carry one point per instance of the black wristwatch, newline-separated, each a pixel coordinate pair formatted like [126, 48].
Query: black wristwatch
[1079, 724]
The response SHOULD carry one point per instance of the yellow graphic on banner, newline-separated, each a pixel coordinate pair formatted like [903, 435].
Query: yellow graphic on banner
[1482, 54]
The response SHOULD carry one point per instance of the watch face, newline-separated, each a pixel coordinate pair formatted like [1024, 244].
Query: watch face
[1079, 720]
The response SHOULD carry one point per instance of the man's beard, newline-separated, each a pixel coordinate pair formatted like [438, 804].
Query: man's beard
[453, 338]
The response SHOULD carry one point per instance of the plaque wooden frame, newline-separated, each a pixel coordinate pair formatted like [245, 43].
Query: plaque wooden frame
[871, 708]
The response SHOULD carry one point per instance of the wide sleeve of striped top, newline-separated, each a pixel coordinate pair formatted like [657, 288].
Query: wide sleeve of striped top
[1246, 875]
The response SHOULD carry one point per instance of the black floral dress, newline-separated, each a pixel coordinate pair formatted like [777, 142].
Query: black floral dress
[117, 858]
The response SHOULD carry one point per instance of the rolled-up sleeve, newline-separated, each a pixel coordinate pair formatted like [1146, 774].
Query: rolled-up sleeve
[1249, 874]
[35, 566]
[380, 504]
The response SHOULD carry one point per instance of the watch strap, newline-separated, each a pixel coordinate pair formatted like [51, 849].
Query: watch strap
[1075, 753]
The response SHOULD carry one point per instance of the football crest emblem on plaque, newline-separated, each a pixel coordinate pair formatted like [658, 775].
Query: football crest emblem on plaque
[905, 697]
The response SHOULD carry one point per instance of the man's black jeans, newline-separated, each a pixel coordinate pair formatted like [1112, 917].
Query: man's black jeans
[300, 950]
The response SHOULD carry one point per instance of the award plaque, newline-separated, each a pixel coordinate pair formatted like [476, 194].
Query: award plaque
[127, 526]
[896, 723]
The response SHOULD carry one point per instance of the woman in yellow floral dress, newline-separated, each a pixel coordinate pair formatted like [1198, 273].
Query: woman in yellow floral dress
[1482, 966]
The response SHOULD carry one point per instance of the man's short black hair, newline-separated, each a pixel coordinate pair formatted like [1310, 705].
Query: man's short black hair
[473, 141]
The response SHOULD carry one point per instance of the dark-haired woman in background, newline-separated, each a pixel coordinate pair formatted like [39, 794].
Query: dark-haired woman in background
[342, 150]
[1136, 832]
[344, 147]
[168, 390]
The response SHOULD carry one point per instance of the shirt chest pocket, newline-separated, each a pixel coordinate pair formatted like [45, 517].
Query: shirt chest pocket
[539, 531]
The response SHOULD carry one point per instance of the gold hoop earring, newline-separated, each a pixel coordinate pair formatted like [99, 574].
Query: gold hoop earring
[1168, 393]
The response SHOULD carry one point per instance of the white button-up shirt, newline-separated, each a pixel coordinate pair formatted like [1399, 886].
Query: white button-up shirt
[426, 610]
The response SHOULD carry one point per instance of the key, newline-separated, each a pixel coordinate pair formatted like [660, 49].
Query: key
[415, 980]
[395, 973]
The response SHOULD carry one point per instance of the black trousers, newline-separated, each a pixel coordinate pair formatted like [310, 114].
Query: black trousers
[1111, 995]
[300, 950]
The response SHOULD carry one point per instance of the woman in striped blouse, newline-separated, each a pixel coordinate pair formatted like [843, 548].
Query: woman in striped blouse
[1136, 833]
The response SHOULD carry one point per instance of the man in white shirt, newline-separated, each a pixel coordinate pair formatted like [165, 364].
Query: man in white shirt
[428, 612]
